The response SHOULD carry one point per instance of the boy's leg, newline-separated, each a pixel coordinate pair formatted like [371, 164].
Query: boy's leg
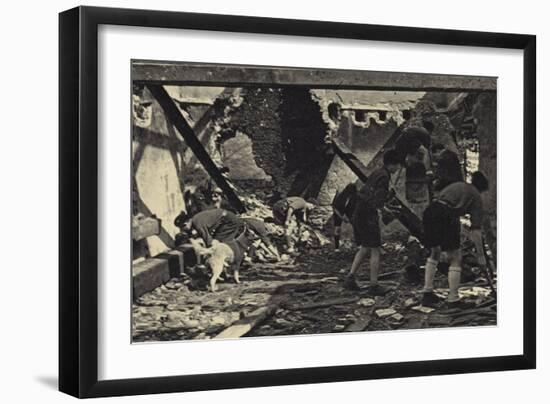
[430, 269]
[454, 275]
[434, 228]
[350, 282]
[337, 232]
[358, 259]
[288, 236]
[374, 265]
[374, 241]
[337, 221]
[429, 298]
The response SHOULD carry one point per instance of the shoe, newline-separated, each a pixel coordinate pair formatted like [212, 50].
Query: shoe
[351, 284]
[430, 299]
[377, 290]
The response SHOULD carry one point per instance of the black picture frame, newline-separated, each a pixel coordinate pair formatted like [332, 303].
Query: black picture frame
[78, 196]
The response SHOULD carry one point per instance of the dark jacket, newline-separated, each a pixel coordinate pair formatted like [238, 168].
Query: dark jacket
[218, 224]
[375, 191]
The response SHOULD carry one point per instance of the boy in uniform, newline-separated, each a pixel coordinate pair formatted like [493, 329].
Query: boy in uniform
[287, 209]
[442, 233]
[366, 227]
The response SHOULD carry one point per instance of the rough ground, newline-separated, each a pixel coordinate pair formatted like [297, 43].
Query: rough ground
[306, 296]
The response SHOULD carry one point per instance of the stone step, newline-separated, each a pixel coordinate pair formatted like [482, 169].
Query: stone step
[153, 272]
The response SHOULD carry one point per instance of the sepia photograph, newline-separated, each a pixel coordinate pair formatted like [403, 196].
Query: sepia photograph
[273, 201]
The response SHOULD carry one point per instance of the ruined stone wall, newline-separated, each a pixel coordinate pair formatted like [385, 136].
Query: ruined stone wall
[258, 118]
[156, 166]
[485, 114]
[485, 111]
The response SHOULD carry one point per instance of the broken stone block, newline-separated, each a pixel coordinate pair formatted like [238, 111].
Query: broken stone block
[191, 323]
[385, 312]
[367, 302]
[339, 328]
[437, 319]
[281, 322]
[410, 302]
[397, 317]
[173, 324]
[148, 275]
[173, 316]
[423, 309]
[218, 320]
[474, 291]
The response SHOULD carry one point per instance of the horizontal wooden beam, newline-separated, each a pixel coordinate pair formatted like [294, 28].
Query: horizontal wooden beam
[180, 73]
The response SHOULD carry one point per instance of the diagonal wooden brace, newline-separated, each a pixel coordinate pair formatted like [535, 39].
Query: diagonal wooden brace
[401, 212]
[176, 118]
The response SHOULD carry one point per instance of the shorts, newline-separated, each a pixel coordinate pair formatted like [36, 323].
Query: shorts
[441, 227]
[366, 227]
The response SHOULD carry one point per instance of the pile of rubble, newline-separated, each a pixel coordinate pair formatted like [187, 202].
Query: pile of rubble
[304, 295]
[312, 233]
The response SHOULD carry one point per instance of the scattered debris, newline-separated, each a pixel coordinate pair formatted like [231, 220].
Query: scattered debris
[307, 291]
[438, 320]
[474, 291]
[385, 312]
[242, 327]
[326, 303]
[359, 325]
[410, 302]
[397, 317]
[367, 302]
[423, 309]
[339, 327]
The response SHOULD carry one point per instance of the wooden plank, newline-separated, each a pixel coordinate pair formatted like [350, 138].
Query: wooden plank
[359, 325]
[323, 304]
[176, 118]
[245, 325]
[226, 75]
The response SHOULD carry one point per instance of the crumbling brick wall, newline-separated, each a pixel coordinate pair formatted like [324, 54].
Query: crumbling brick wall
[258, 118]
[287, 135]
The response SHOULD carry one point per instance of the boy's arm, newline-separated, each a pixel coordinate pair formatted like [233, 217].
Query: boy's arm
[289, 213]
[270, 249]
[204, 233]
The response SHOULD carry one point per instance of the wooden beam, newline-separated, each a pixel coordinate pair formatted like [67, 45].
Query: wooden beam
[323, 304]
[244, 326]
[176, 118]
[226, 75]
[402, 213]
